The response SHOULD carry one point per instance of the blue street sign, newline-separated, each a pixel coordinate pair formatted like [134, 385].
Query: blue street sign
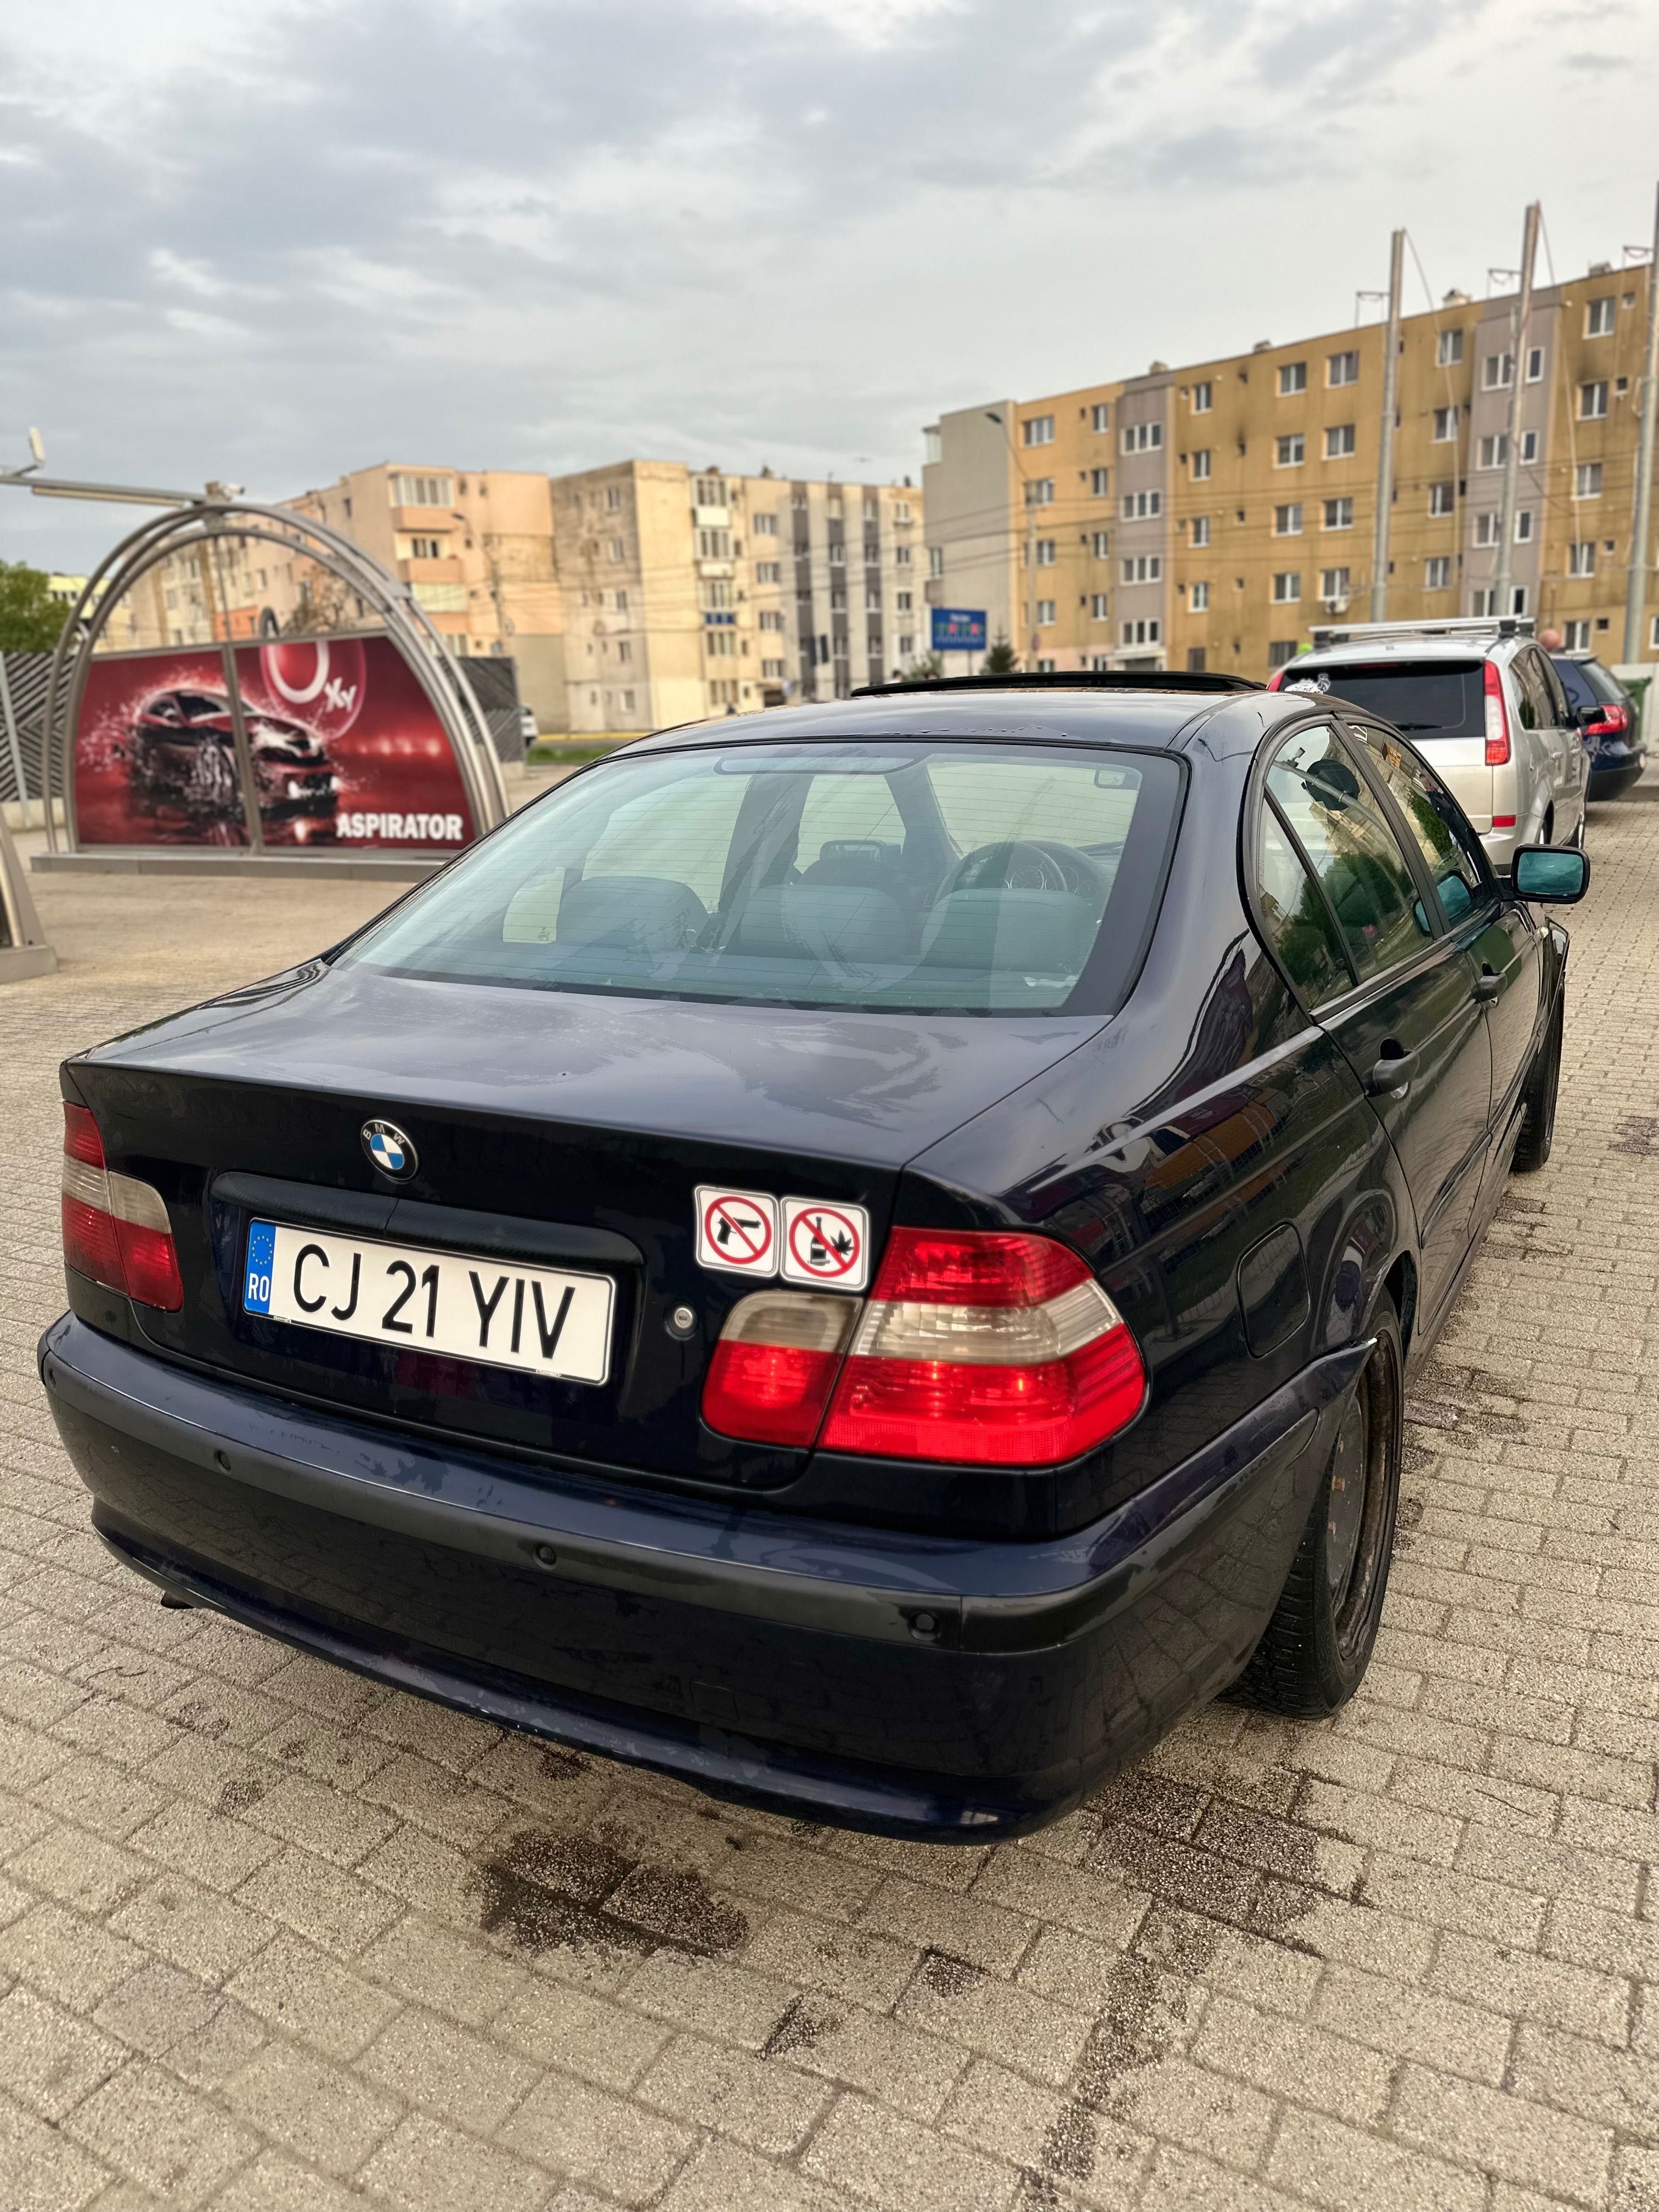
[958, 629]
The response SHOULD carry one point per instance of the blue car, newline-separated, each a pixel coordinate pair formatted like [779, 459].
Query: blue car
[1608, 723]
[867, 1258]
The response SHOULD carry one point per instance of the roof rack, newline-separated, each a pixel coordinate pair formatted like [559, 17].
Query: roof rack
[1455, 626]
[1065, 680]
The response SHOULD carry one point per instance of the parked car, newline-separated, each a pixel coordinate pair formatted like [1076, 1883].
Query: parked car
[868, 1261]
[181, 745]
[1483, 702]
[1607, 721]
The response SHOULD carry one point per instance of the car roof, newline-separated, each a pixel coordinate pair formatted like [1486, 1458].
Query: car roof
[1164, 720]
[1374, 650]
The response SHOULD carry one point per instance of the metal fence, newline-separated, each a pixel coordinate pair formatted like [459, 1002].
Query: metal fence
[22, 718]
[493, 680]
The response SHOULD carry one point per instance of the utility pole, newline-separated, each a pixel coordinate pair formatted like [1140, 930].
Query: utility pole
[1385, 443]
[1517, 385]
[1637, 589]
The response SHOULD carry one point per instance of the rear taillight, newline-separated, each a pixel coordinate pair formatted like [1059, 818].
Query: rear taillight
[776, 1364]
[1612, 720]
[1498, 719]
[1276, 681]
[985, 1346]
[115, 1229]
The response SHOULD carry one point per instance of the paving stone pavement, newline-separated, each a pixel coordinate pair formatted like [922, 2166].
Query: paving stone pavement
[271, 1937]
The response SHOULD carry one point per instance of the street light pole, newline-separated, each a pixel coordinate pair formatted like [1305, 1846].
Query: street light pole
[1517, 385]
[1636, 592]
[1385, 446]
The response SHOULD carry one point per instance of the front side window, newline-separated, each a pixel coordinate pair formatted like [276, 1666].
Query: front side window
[1440, 828]
[1335, 818]
[975, 878]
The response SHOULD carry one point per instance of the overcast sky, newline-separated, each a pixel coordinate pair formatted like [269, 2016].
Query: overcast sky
[272, 242]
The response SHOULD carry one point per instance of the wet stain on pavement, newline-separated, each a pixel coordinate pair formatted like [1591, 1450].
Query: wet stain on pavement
[543, 1891]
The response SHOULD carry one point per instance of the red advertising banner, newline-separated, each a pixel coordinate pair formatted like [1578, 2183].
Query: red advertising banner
[346, 749]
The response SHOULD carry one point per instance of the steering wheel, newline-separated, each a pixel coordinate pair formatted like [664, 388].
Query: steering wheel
[1026, 864]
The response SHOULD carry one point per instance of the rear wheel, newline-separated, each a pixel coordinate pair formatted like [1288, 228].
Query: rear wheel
[1317, 1645]
[1543, 1081]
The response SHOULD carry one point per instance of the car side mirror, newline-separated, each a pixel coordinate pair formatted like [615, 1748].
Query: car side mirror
[1556, 873]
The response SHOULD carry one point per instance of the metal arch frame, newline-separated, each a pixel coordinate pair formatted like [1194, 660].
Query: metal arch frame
[207, 521]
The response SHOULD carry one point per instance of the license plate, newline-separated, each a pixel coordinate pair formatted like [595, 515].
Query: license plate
[496, 1312]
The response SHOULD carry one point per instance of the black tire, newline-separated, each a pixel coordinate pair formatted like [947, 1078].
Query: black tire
[1532, 1147]
[1315, 1651]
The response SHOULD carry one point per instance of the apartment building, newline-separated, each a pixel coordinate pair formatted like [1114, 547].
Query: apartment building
[690, 593]
[1208, 517]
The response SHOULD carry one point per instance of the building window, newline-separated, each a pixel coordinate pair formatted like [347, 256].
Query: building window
[1101, 543]
[1203, 398]
[1445, 422]
[1198, 598]
[1342, 441]
[1593, 401]
[1581, 557]
[906, 644]
[714, 591]
[1045, 552]
[1287, 586]
[1099, 609]
[1339, 514]
[1598, 317]
[613, 499]
[838, 553]
[710, 491]
[1287, 520]
[1045, 668]
[903, 601]
[1342, 369]
[1281, 650]
[1199, 532]
[1587, 480]
[770, 619]
[1443, 498]
[616, 550]
[1334, 583]
[771, 671]
[1143, 437]
[1291, 452]
[723, 691]
[1492, 452]
[624, 649]
[1485, 529]
[1038, 430]
[1039, 492]
[1498, 372]
[712, 546]
[901, 556]
[1144, 568]
[1100, 482]
[763, 525]
[1448, 350]
[1436, 573]
[1045, 614]
[1195, 660]
[1100, 416]
[1524, 526]
[1536, 365]
[1292, 377]
[1202, 465]
[768, 572]
[1575, 636]
[426, 549]
[722, 644]
[1142, 505]
[421, 491]
[936, 559]
[900, 510]
[1144, 630]
[1529, 444]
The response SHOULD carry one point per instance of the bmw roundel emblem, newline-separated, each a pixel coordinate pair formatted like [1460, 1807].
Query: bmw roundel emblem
[390, 1149]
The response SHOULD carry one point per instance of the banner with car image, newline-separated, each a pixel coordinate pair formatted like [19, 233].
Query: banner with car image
[343, 748]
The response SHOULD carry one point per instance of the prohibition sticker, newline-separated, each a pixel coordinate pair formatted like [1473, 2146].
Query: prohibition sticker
[825, 1244]
[737, 1230]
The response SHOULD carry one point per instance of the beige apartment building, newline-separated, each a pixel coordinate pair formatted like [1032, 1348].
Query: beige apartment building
[1208, 517]
[691, 592]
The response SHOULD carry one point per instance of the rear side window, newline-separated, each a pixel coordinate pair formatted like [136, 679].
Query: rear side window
[1331, 811]
[1575, 680]
[902, 875]
[1299, 921]
[1423, 698]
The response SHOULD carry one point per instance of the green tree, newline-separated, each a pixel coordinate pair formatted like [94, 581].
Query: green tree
[30, 618]
[925, 671]
[1001, 660]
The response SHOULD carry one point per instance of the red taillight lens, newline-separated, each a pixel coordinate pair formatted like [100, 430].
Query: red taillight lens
[115, 1229]
[984, 1346]
[1498, 719]
[776, 1364]
[1613, 720]
[1276, 681]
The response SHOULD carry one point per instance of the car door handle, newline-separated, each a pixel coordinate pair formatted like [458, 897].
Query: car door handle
[1487, 985]
[1392, 1074]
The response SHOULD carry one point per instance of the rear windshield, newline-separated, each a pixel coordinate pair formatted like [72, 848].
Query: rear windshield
[1423, 698]
[952, 877]
[1587, 683]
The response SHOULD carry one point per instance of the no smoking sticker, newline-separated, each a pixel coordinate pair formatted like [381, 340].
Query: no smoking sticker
[737, 1230]
[828, 1245]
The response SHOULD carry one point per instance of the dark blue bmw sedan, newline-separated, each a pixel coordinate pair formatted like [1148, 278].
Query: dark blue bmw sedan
[866, 1257]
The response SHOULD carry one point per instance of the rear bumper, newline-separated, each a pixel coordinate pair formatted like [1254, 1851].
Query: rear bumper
[916, 1685]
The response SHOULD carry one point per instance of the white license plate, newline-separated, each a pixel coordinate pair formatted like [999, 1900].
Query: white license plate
[497, 1312]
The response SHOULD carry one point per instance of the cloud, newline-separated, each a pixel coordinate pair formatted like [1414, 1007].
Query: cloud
[274, 241]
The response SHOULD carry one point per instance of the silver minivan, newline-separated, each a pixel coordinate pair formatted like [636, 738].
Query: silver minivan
[1482, 701]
